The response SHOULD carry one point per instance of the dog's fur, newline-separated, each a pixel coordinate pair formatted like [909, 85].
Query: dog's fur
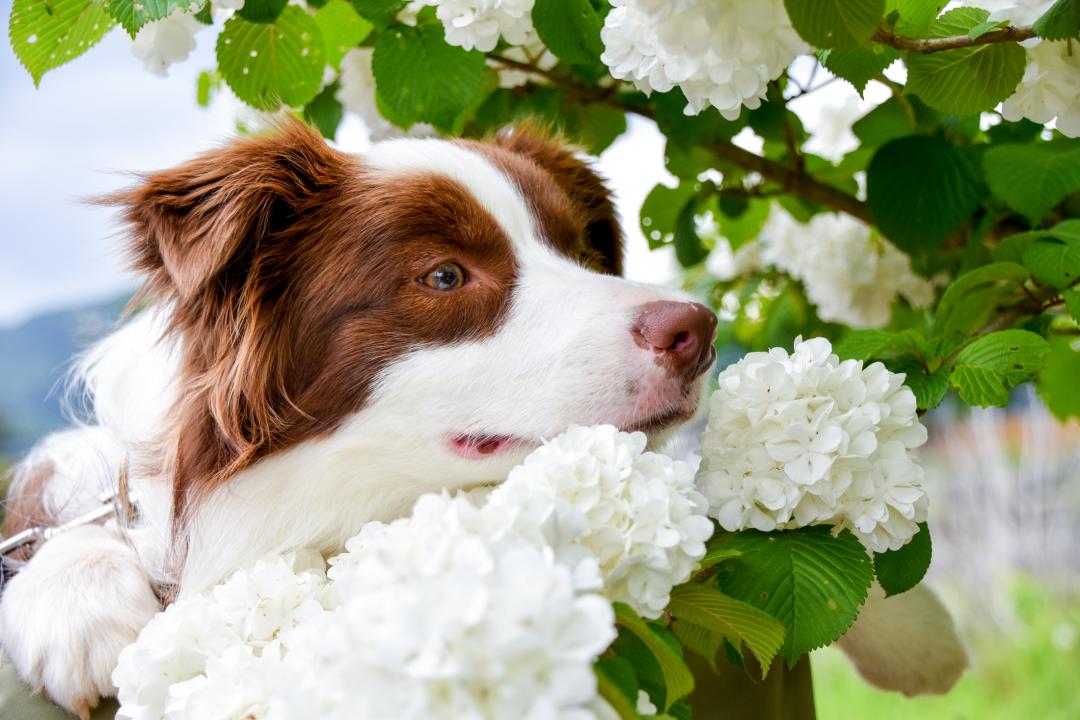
[295, 377]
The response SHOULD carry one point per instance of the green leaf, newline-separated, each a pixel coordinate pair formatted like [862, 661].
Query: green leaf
[921, 189]
[595, 126]
[342, 29]
[1053, 261]
[688, 248]
[1032, 179]
[133, 14]
[617, 684]
[967, 80]
[1057, 383]
[915, 15]
[717, 555]
[45, 34]
[325, 112]
[810, 580]
[267, 64]
[570, 29]
[835, 23]
[678, 680]
[1060, 22]
[929, 389]
[661, 209]
[973, 297]
[881, 344]
[262, 11]
[993, 364]
[900, 570]
[739, 622]
[984, 27]
[379, 12]
[421, 78]
[746, 226]
[1072, 304]
[701, 640]
[205, 85]
[859, 65]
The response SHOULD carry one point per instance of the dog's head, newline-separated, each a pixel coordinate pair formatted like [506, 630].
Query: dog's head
[442, 305]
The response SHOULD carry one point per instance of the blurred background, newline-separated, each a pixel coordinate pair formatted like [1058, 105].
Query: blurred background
[1005, 484]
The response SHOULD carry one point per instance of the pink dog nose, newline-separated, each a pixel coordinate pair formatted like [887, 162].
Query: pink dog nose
[680, 333]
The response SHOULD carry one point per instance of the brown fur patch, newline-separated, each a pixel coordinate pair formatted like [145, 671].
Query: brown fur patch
[293, 274]
[24, 507]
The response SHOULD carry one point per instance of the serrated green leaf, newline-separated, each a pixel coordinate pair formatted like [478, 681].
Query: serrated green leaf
[261, 11]
[975, 296]
[324, 111]
[594, 126]
[881, 344]
[991, 365]
[617, 684]
[859, 65]
[45, 34]
[1060, 22]
[835, 23]
[267, 64]
[716, 555]
[810, 580]
[380, 12]
[678, 681]
[342, 29]
[701, 640]
[133, 14]
[929, 389]
[921, 189]
[984, 27]
[745, 227]
[570, 29]
[739, 622]
[900, 570]
[1072, 303]
[915, 16]
[660, 211]
[1032, 179]
[1053, 261]
[421, 78]
[1057, 382]
[967, 80]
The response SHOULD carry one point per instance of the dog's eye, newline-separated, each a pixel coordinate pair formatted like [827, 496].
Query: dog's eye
[448, 276]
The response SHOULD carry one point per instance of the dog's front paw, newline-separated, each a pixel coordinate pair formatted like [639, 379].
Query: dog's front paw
[67, 614]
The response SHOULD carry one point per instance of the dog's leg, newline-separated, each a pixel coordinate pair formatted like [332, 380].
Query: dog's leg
[906, 643]
[70, 610]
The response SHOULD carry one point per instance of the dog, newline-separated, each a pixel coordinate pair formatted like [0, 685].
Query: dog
[330, 336]
[324, 338]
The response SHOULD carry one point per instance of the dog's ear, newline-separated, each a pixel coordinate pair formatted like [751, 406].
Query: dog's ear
[585, 188]
[188, 224]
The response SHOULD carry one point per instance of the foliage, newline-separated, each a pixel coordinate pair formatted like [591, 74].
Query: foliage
[985, 208]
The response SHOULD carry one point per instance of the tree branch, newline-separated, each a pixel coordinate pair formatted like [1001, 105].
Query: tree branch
[933, 45]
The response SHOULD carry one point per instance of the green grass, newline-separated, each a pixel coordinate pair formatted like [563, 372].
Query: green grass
[1033, 672]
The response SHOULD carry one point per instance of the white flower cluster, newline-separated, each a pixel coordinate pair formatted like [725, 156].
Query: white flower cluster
[804, 439]
[721, 53]
[480, 24]
[1017, 12]
[161, 43]
[850, 273]
[1050, 87]
[490, 604]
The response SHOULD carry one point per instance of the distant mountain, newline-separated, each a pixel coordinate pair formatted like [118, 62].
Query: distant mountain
[34, 358]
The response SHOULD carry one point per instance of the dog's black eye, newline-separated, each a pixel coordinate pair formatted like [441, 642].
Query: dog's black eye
[448, 276]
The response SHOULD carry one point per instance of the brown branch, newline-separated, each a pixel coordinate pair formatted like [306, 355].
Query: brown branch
[933, 45]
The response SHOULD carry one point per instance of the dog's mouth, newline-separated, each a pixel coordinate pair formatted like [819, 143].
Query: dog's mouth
[478, 447]
[662, 420]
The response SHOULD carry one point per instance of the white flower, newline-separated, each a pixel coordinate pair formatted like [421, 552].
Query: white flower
[479, 24]
[850, 273]
[719, 52]
[637, 513]
[228, 4]
[804, 439]
[356, 93]
[163, 42]
[831, 135]
[1050, 87]
[438, 620]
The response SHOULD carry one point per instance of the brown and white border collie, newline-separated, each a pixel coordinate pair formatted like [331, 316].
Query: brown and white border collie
[330, 336]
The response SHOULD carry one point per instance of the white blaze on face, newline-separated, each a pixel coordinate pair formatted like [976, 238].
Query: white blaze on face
[564, 353]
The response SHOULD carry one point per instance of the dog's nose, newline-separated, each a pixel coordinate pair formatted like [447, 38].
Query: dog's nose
[680, 333]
